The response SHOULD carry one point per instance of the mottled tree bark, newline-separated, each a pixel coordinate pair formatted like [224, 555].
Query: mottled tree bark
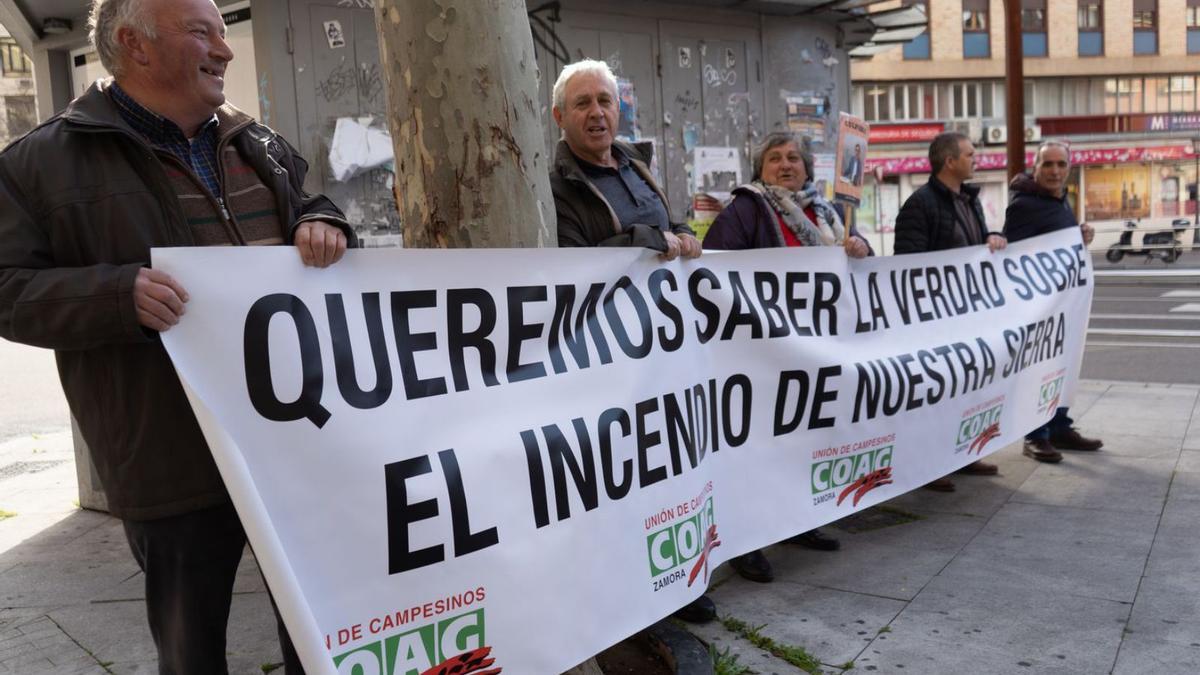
[471, 165]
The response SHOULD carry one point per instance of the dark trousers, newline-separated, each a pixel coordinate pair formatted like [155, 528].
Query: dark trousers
[1060, 422]
[190, 562]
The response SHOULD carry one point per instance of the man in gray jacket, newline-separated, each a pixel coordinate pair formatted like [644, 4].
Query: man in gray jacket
[150, 158]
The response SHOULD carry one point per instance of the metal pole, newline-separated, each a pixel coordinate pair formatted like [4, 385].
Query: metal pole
[1015, 77]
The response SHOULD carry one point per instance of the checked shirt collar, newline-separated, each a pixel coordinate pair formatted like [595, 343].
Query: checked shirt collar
[200, 153]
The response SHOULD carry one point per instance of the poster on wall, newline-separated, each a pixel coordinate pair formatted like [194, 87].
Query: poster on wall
[824, 170]
[627, 115]
[806, 116]
[716, 171]
[1117, 193]
[851, 157]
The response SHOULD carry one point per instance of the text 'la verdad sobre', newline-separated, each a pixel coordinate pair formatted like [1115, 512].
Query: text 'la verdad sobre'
[457, 339]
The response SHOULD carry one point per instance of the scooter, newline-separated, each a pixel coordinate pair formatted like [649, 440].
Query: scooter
[1163, 245]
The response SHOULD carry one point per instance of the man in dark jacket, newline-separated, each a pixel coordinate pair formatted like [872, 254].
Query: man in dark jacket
[945, 213]
[1039, 205]
[604, 194]
[153, 158]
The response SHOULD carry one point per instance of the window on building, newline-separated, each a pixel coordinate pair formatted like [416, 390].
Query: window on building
[1193, 26]
[21, 114]
[1157, 94]
[1091, 27]
[877, 103]
[1033, 27]
[918, 47]
[976, 43]
[1145, 26]
[1183, 93]
[13, 62]
[970, 100]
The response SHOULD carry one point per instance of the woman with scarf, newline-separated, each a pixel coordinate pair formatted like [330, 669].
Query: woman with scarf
[781, 207]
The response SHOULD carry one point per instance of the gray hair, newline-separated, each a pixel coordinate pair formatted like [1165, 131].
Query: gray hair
[591, 66]
[110, 16]
[1037, 156]
[776, 139]
[945, 146]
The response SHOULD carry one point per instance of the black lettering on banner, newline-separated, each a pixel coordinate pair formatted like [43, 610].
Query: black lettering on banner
[343, 352]
[519, 332]
[465, 541]
[657, 278]
[826, 304]
[537, 479]
[458, 340]
[822, 396]
[614, 489]
[400, 514]
[739, 316]
[678, 426]
[796, 302]
[576, 338]
[1081, 262]
[991, 285]
[741, 382]
[645, 441]
[766, 285]
[1010, 270]
[256, 349]
[712, 313]
[562, 460]
[633, 351]
[408, 343]
[875, 303]
[786, 378]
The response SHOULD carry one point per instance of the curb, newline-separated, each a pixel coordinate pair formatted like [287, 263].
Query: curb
[680, 649]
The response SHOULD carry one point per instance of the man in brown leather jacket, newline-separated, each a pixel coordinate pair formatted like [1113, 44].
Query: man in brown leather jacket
[150, 158]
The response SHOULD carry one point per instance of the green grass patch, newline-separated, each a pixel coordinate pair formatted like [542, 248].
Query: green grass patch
[797, 656]
[725, 663]
[6, 514]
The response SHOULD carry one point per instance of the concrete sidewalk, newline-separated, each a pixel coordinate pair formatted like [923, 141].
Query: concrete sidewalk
[1088, 566]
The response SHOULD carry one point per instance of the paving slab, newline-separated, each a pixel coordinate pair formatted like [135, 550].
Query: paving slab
[1139, 656]
[1181, 517]
[1133, 445]
[723, 641]
[833, 626]
[1059, 550]
[1101, 481]
[999, 630]
[39, 645]
[861, 567]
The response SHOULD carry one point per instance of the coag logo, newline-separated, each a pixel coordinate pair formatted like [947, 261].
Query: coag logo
[454, 645]
[856, 474]
[680, 543]
[1050, 394]
[977, 429]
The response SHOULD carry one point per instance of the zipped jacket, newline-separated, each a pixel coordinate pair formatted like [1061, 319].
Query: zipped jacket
[83, 198]
[585, 218]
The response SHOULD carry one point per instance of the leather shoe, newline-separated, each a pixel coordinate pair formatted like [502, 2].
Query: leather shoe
[753, 566]
[1070, 439]
[942, 484]
[817, 540]
[700, 610]
[1041, 450]
[979, 468]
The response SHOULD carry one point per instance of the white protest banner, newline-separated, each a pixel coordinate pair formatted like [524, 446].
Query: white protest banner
[513, 459]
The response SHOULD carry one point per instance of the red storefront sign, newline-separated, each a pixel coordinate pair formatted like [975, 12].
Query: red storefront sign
[990, 161]
[905, 133]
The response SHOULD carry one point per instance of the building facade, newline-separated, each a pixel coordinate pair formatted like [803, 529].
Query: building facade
[1115, 79]
[18, 108]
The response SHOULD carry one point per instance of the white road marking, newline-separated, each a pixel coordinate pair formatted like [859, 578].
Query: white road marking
[1187, 307]
[1181, 294]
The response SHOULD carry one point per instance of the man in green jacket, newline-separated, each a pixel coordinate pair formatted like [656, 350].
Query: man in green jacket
[150, 158]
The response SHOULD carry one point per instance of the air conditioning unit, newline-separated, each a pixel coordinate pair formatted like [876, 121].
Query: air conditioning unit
[996, 135]
[1033, 133]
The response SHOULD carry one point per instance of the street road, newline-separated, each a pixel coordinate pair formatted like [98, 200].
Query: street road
[1146, 329]
[31, 399]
